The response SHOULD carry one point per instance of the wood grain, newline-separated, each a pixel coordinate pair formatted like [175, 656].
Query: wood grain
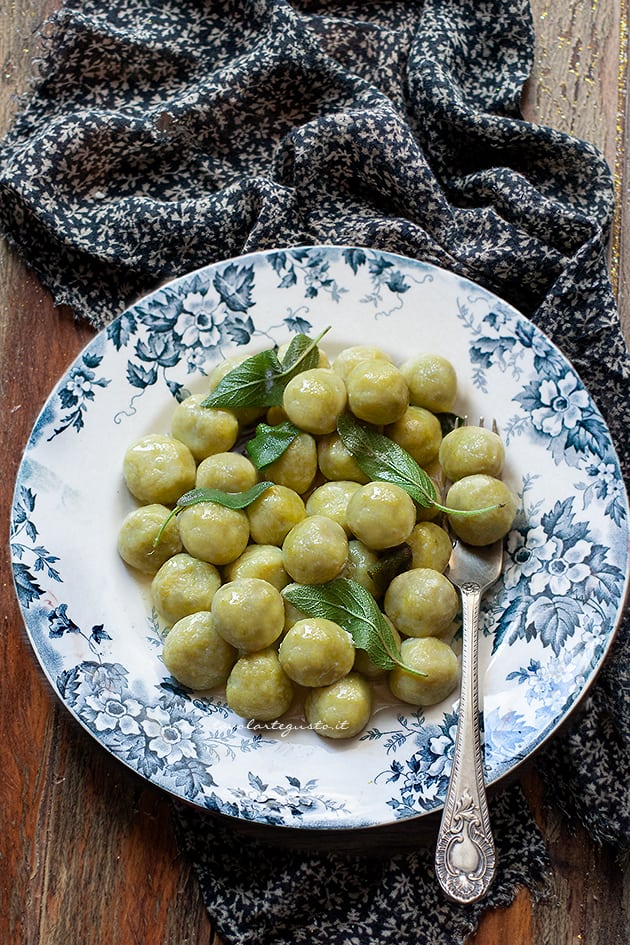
[87, 850]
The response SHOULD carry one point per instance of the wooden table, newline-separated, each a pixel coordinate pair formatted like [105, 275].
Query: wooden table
[87, 851]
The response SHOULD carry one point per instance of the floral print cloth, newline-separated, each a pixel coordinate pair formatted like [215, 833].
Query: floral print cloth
[162, 136]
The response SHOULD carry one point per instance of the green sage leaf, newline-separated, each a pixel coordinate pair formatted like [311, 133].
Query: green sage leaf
[259, 381]
[230, 500]
[382, 459]
[301, 355]
[270, 442]
[393, 562]
[449, 422]
[351, 606]
[253, 383]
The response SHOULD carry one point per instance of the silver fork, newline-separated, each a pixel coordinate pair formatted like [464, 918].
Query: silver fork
[465, 859]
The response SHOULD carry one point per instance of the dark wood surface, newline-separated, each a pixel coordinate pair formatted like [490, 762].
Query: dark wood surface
[87, 849]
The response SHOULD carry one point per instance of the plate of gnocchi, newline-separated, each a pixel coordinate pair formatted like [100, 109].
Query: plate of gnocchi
[268, 459]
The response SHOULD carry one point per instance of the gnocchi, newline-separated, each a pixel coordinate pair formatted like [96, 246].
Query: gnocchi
[196, 654]
[316, 652]
[220, 571]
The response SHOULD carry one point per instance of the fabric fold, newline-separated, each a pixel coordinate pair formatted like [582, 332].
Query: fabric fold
[258, 891]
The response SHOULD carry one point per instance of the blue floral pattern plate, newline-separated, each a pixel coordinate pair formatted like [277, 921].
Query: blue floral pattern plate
[546, 625]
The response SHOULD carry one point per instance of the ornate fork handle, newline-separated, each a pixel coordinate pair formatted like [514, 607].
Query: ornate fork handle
[465, 856]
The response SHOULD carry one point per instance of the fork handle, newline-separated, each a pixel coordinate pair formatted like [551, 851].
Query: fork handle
[465, 857]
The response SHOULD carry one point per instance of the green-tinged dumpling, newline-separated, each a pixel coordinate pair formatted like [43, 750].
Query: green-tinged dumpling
[204, 430]
[340, 710]
[273, 514]
[381, 515]
[315, 550]
[439, 664]
[313, 400]
[468, 451]
[248, 613]
[481, 492]
[138, 534]
[184, 585]
[213, 532]
[377, 392]
[258, 688]
[316, 652]
[196, 655]
[159, 469]
[421, 602]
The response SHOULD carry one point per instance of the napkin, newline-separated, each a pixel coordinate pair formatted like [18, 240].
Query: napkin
[162, 135]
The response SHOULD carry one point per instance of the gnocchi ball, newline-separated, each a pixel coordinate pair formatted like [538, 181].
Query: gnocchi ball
[204, 430]
[316, 652]
[313, 400]
[418, 431]
[358, 564]
[297, 466]
[432, 382]
[259, 561]
[381, 515]
[159, 469]
[229, 472]
[275, 415]
[137, 533]
[273, 514]
[315, 550]
[434, 658]
[421, 602]
[362, 661]
[481, 492]
[466, 451]
[430, 545]
[196, 655]
[337, 462]
[214, 533]
[348, 359]
[248, 613]
[340, 710]
[377, 392]
[183, 586]
[258, 687]
[331, 499]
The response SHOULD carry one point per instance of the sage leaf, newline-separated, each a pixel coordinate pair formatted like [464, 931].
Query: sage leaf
[270, 443]
[230, 500]
[259, 381]
[390, 564]
[253, 383]
[350, 605]
[449, 422]
[382, 459]
[301, 355]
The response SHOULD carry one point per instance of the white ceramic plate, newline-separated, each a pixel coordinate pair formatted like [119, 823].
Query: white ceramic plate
[546, 625]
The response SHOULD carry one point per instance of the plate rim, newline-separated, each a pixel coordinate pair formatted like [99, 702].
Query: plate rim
[308, 826]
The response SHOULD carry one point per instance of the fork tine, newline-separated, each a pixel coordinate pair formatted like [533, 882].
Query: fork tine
[481, 422]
